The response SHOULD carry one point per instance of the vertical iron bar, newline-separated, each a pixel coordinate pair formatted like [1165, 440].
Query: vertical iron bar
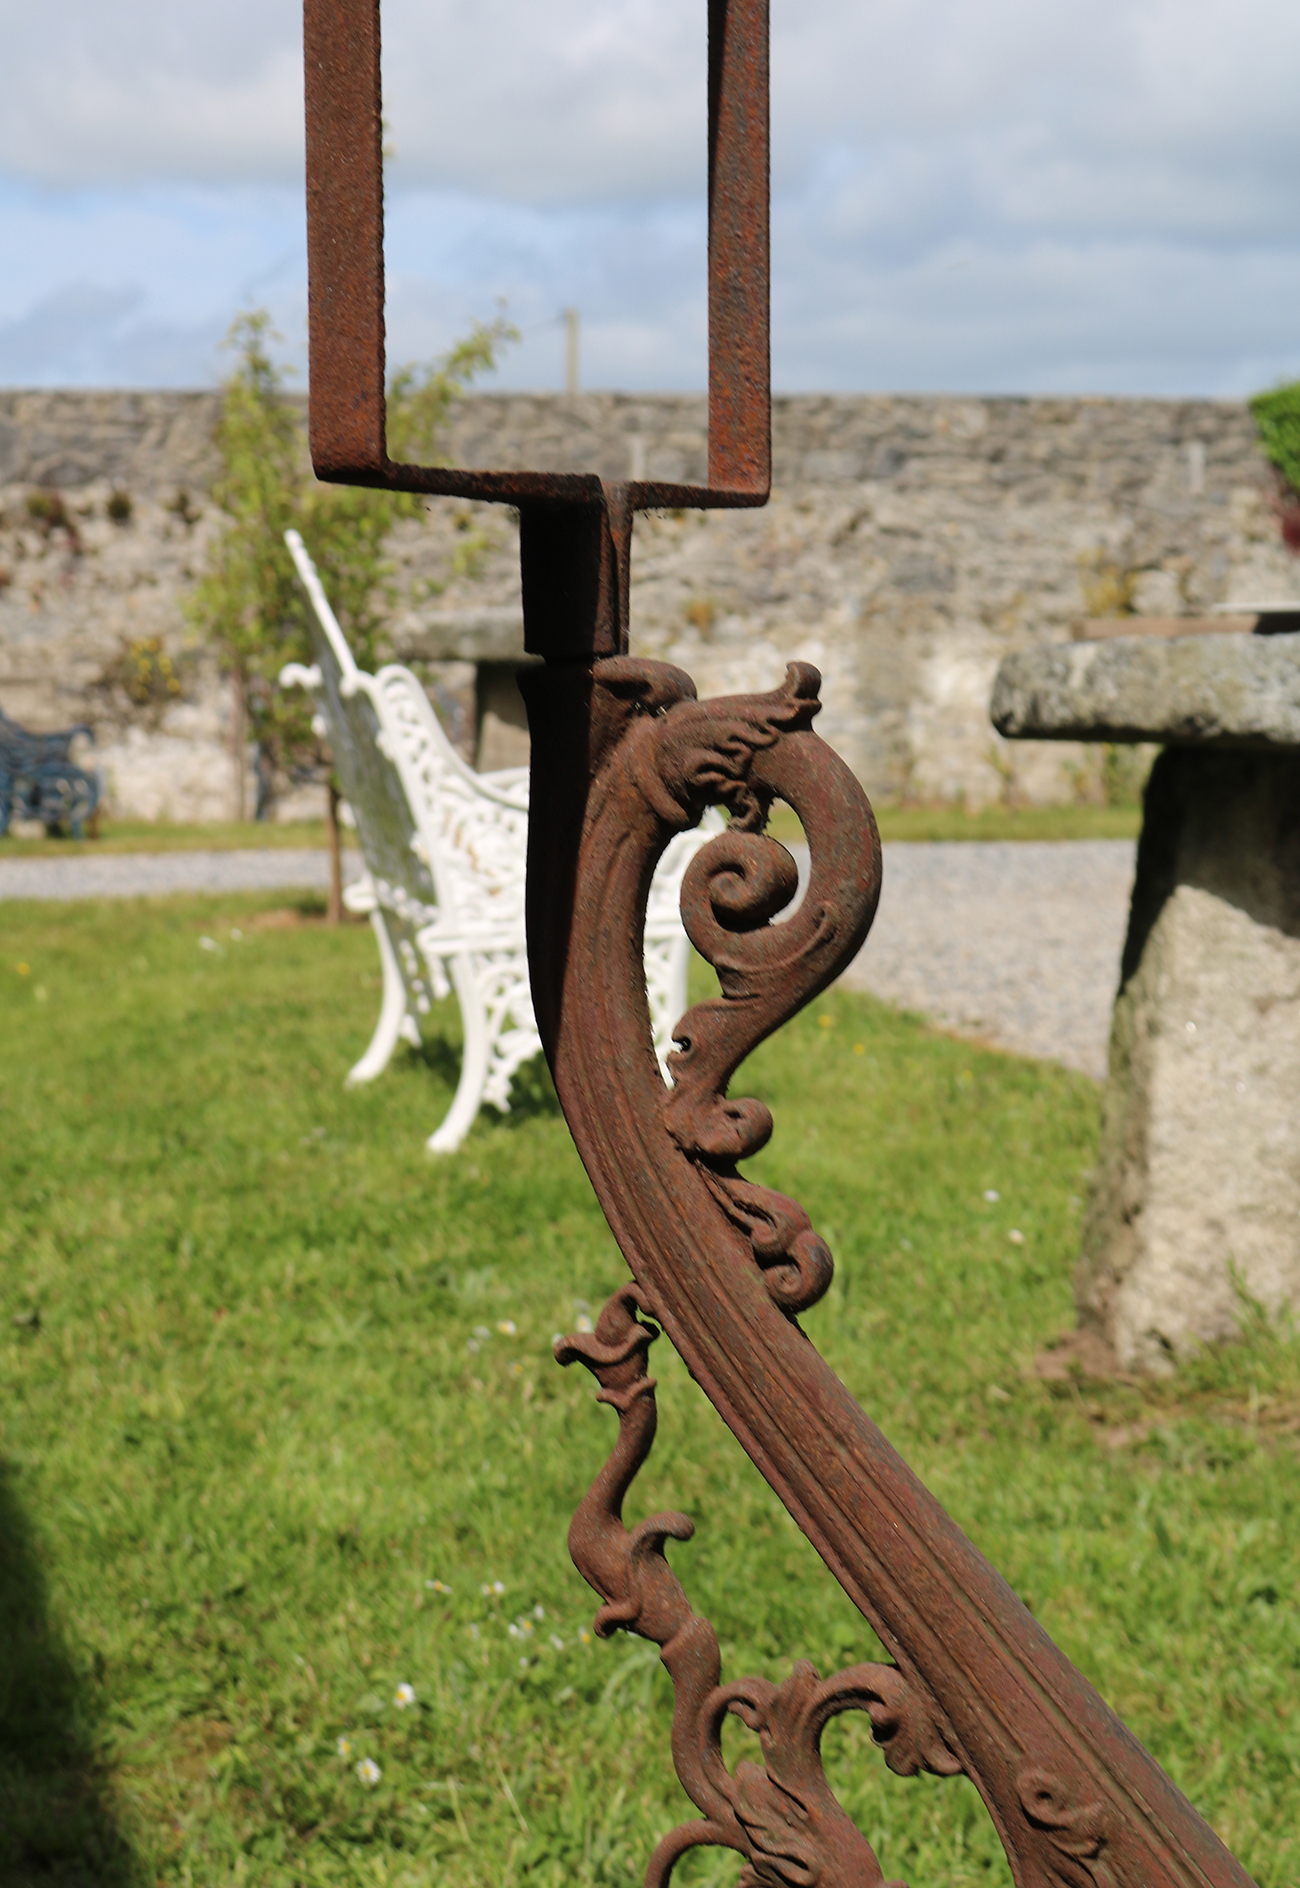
[345, 237]
[740, 386]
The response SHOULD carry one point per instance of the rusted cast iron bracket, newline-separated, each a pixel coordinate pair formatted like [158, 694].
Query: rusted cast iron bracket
[623, 757]
[576, 531]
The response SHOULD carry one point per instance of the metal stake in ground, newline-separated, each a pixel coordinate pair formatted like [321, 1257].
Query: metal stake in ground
[624, 757]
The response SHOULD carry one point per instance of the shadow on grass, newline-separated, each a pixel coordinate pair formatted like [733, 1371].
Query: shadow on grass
[55, 1827]
[532, 1097]
[532, 1092]
[440, 1057]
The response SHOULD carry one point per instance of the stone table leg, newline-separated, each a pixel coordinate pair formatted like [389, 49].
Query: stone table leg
[1196, 1197]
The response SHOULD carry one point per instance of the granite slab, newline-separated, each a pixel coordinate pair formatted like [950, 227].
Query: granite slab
[1228, 691]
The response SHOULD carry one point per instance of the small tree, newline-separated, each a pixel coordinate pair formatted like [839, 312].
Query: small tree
[244, 602]
[248, 602]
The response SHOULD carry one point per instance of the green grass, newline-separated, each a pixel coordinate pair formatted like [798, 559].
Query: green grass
[258, 1393]
[1009, 822]
[896, 822]
[144, 835]
[928, 823]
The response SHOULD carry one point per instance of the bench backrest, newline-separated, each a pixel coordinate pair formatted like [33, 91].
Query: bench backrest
[428, 824]
[433, 829]
[371, 783]
[475, 826]
[23, 748]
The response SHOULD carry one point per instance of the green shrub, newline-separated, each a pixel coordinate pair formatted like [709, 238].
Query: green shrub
[1277, 418]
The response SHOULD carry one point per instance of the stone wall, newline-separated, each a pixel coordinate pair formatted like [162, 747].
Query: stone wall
[910, 544]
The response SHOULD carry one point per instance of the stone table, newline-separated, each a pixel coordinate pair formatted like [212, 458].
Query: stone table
[1196, 1196]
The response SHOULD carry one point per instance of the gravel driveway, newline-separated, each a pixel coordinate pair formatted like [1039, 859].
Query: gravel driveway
[1014, 943]
[145, 874]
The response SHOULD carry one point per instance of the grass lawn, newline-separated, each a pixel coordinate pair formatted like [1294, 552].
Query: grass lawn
[929, 823]
[896, 822]
[280, 1432]
[1010, 822]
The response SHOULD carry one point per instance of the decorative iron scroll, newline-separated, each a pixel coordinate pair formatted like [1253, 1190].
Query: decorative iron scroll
[724, 1266]
[782, 1817]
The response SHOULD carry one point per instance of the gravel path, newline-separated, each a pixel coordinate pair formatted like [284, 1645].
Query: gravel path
[145, 874]
[1015, 943]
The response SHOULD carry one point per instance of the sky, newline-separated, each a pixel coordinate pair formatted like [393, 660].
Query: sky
[985, 196]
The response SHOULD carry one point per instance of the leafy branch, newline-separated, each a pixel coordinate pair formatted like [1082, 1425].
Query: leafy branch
[1277, 420]
[247, 604]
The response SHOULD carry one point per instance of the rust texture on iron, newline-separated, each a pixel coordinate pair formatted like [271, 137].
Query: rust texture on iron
[345, 271]
[623, 757]
[724, 1266]
[345, 239]
[781, 1816]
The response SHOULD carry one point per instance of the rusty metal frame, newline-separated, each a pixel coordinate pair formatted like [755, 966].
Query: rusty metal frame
[345, 262]
[624, 757]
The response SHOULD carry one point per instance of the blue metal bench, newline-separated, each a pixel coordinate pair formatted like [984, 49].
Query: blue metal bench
[40, 780]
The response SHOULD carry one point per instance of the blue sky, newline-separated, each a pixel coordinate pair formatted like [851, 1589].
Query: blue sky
[1010, 196]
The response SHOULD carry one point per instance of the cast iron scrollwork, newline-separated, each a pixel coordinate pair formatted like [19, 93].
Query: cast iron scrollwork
[674, 756]
[724, 1265]
[1075, 1832]
[781, 1815]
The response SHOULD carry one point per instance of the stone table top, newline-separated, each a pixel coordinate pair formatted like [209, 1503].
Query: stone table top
[1228, 691]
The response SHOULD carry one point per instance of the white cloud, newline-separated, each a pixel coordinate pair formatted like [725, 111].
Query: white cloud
[137, 289]
[1019, 193]
[588, 100]
[144, 90]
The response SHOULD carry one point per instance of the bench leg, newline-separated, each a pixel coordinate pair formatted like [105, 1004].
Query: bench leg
[392, 1012]
[473, 1072]
[667, 961]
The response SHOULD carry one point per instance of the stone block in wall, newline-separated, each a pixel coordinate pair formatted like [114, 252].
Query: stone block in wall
[909, 546]
[148, 444]
[180, 771]
[486, 634]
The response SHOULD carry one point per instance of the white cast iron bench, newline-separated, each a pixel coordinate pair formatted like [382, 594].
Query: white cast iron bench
[444, 873]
